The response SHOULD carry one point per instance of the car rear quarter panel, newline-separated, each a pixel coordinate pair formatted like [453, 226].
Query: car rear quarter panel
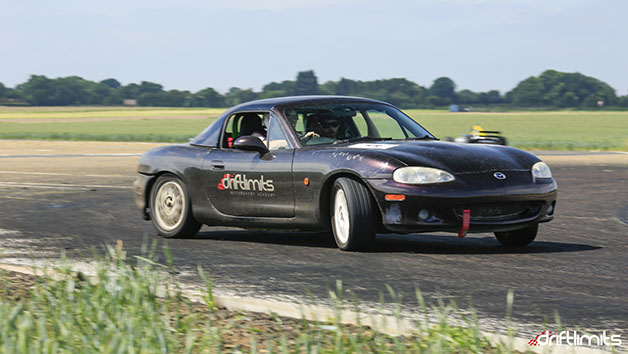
[183, 161]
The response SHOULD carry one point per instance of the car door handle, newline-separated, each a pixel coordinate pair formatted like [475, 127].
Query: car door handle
[218, 165]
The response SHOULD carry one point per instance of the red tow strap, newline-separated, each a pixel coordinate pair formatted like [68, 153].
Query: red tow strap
[466, 219]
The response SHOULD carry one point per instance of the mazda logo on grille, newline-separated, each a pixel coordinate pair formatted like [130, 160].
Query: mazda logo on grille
[499, 175]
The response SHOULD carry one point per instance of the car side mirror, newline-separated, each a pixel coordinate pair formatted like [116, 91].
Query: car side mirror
[250, 143]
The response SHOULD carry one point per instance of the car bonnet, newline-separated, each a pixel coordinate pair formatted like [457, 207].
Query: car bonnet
[453, 157]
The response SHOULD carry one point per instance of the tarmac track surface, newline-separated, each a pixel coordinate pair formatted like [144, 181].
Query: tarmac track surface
[77, 197]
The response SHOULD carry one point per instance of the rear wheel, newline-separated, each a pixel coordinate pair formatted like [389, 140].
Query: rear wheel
[519, 237]
[352, 215]
[170, 208]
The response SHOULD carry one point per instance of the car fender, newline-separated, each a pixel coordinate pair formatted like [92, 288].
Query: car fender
[323, 166]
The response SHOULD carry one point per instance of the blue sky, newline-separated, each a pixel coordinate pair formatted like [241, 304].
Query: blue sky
[193, 44]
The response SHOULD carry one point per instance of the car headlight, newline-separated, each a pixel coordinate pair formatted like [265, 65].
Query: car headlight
[421, 175]
[541, 170]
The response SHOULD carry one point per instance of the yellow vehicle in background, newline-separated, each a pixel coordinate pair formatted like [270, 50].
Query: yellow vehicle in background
[480, 136]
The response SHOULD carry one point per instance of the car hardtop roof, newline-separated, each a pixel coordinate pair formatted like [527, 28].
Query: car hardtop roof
[268, 103]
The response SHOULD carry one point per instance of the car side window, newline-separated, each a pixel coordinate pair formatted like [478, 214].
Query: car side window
[277, 139]
[241, 124]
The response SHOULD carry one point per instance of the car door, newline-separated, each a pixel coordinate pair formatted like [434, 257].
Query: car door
[249, 183]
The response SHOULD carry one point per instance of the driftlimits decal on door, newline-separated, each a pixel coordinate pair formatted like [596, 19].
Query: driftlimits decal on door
[240, 182]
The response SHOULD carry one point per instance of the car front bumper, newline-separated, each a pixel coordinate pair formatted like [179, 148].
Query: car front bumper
[493, 207]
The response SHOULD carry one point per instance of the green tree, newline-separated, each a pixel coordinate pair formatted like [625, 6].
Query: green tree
[176, 98]
[113, 99]
[246, 95]
[328, 88]
[467, 97]
[236, 96]
[271, 94]
[172, 98]
[306, 83]
[3, 90]
[98, 92]
[346, 87]
[130, 91]
[278, 89]
[113, 83]
[438, 101]
[398, 91]
[444, 88]
[72, 90]
[13, 94]
[569, 99]
[528, 92]
[490, 97]
[558, 89]
[38, 90]
[273, 86]
[149, 87]
[288, 86]
[207, 98]
[152, 99]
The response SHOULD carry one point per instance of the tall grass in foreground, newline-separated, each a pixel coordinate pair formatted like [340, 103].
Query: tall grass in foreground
[135, 306]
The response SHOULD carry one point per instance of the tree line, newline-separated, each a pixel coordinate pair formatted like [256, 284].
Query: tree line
[551, 89]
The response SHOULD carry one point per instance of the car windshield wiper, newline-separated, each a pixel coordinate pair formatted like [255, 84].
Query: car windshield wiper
[362, 138]
[424, 137]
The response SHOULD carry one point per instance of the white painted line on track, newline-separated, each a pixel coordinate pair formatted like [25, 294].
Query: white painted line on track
[20, 198]
[59, 186]
[62, 174]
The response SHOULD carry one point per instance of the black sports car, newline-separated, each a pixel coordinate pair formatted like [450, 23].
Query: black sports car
[348, 165]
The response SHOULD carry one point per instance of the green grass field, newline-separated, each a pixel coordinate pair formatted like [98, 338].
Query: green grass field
[158, 130]
[542, 130]
[564, 130]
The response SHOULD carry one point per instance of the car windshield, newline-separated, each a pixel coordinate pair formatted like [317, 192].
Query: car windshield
[333, 123]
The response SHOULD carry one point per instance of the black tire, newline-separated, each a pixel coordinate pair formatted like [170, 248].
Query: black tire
[171, 209]
[353, 223]
[519, 237]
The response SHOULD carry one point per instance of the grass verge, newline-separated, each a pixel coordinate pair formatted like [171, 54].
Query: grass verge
[136, 306]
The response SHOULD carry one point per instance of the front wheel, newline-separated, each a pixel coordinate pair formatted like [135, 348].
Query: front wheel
[519, 237]
[170, 208]
[352, 215]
